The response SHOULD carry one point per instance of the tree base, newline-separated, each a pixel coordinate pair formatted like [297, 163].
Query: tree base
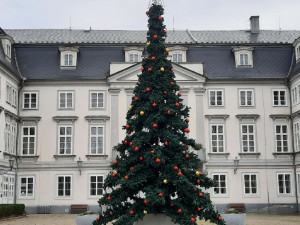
[155, 219]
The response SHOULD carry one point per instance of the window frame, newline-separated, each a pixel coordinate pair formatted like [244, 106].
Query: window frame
[177, 53]
[90, 100]
[248, 134]
[66, 100]
[296, 133]
[284, 183]
[8, 50]
[28, 136]
[252, 98]
[33, 187]
[59, 136]
[217, 140]
[216, 98]
[279, 101]
[57, 187]
[97, 135]
[250, 187]
[89, 185]
[219, 187]
[241, 56]
[281, 134]
[30, 100]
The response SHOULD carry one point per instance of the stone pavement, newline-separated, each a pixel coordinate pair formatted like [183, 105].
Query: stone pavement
[70, 219]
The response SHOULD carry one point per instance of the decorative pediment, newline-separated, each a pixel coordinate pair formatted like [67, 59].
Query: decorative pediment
[183, 75]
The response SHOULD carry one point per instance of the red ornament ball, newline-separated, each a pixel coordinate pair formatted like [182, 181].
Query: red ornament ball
[187, 156]
[149, 69]
[136, 149]
[171, 204]
[147, 12]
[187, 120]
[160, 194]
[143, 69]
[220, 218]
[169, 112]
[130, 143]
[126, 177]
[157, 160]
[187, 130]
[145, 202]
[125, 142]
[131, 212]
[152, 151]
[154, 104]
[141, 158]
[160, 18]
[172, 69]
[193, 219]
[108, 198]
[165, 31]
[172, 83]
[165, 92]
[98, 218]
[198, 181]
[154, 125]
[111, 213]
[136, 98]
[153, 58]
[179, 94]
[132, 168]
[148, 89]
[175, 167]
[199, 209]
[115, 162]
[127, 126]
[179, 210]
[200, 194]
[155, 36]
[113, 174]
[179, 173]
[177, 104]
[166, 143]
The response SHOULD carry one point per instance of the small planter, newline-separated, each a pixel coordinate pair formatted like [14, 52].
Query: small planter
[86, 219]
[234, 219]
[159, 219]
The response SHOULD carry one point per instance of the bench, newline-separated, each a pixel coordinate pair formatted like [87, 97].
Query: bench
[76, 209]
[240, 207]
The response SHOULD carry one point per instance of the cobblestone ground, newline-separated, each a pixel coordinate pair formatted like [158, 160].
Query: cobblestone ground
[70, 219]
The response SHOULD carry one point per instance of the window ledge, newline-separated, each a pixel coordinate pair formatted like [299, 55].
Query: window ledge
[28, 158]
[217, 116]
[6, 154]
[100, 117]
[96, 157]
[64, 157]
[218, 155]
[250, 155]
[60, 118]
[247, 116]
[282, 153]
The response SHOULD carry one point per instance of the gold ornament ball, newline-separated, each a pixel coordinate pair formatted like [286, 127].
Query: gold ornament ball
[115, 172]
[148, 43]
[197, 173]
[145, 212]
[165, 181]
[142, 113]
[130, 107]
[162, 69]
[167, 49]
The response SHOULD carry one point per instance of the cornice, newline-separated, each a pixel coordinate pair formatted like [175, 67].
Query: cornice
[97, 117]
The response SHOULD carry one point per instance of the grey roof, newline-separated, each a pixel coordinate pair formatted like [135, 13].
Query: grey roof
[43, 62]
[55, 36]
[219, 62]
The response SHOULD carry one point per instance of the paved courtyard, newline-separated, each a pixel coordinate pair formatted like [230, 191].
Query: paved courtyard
[70, 219]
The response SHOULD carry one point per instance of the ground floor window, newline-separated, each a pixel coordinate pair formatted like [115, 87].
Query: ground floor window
[221, 184]
[64, 186]
[96, 185]
[284, 183]
[27, 186]
[250, 184]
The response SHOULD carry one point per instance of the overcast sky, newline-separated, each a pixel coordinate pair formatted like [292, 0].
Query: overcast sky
[130, 14]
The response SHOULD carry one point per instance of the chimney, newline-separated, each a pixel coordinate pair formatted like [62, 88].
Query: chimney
[254, 24]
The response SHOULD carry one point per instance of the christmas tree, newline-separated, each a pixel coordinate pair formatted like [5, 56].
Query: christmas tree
[156, 172]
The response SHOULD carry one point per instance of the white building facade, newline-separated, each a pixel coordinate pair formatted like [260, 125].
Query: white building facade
[71, 98]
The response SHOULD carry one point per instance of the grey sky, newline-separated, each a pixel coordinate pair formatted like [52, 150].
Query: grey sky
[130, 14]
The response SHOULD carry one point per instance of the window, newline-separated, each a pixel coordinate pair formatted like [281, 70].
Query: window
[68, 59]
[27, 186]
[298, 52]
[298, 179]
[221, 184]
[177, 57]
[294, 95]
[64, 186]
[66, 100]
[217, 138]
[96, 140]
[246, 98]
[96, 185]
[248, 138]
[284, 183]
[250, 184]
[11, 95]
[96, 100]
[281, 132]
[28, 140]
[8, 50]
[216, 98]
[244, 59]
[65, 140]
[133, 57]
[279, 98]
[297, 136]
[10, 133]
[29, 100]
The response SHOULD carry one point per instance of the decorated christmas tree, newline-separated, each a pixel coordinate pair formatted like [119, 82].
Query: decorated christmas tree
[156, 170]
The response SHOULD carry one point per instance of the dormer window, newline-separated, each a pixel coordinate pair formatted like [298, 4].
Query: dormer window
[297, 51]
[133, 54]
[177, 57]
[177, 54]
[8, 50]
[6, 44]
[68, 57]
[243, 56]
